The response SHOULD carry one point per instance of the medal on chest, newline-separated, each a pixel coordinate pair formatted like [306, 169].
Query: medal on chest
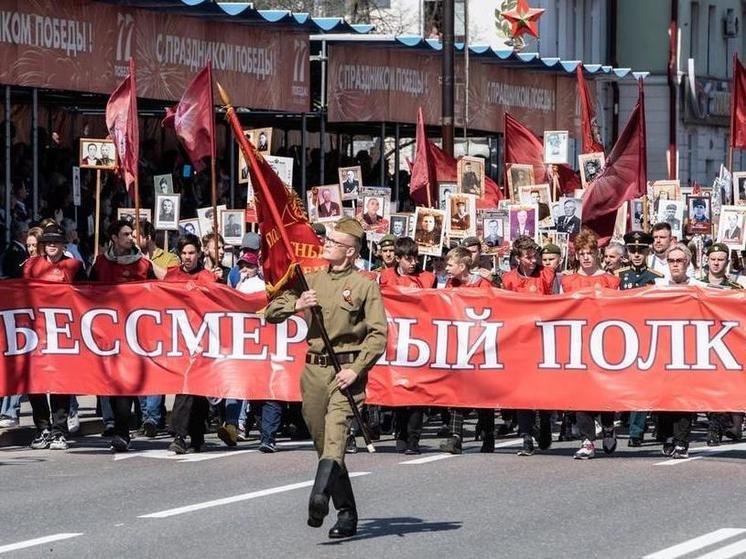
[347, 296]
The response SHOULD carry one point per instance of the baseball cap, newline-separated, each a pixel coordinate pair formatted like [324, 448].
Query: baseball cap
[252, 241]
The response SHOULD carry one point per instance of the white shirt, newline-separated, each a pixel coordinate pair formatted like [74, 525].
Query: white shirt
[661, 265]
[254, 284]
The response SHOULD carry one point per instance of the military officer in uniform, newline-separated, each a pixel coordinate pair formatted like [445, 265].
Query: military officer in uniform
[637, 274]
[355, 320]
[729, 424]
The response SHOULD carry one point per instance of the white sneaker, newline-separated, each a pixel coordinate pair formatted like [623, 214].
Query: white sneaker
[58, 443]
[8, 423]
[73, 422]
[586, 451]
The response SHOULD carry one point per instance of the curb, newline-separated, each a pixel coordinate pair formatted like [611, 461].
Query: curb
[22, 436]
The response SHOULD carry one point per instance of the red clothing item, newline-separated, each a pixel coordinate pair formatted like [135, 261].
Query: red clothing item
[65, 270]
[391, 277]
[108, 271]
[576, 281]
[199, 275]
[474, 281]
[539, 282]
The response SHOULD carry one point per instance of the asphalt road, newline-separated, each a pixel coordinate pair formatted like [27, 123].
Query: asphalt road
[86, 502]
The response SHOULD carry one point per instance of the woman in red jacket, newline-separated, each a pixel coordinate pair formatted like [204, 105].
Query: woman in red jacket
[590, 274]
[190, 412]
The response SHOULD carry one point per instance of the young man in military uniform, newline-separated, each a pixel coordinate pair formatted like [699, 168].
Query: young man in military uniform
[637, 274]
[729, 424]
[355, 319]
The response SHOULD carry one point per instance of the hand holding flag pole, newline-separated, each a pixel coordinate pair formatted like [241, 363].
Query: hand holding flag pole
[265, 195]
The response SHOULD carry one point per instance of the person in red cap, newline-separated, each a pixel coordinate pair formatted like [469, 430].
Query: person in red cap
[53, 266]
[249, 280]
[121, 262]
[189, 412]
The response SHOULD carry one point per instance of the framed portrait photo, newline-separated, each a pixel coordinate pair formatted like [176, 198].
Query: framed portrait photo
[461, 210]
[429, 230]
[373, 214]
[470, 173]
[519, 175]
[523, 220]
[637, 214]
[283, 166]
[672, 212]
[540, 195]
[190, 227]
[591, 165]
[739, 189]
[699, 209]
[491, 230]
[444, 190]
[261, 138]
[97, 154]
[163, 184]
[350, 181]
[399, 224]
[206, 219]
[233, 226]
[570, 216]
[730, 228]
[129, 214]
[167, 207]
[327, 201]
[556, 147]
[665, 190]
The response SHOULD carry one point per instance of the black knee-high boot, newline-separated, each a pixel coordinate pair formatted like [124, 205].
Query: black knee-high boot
[327, 474]
[344, 502]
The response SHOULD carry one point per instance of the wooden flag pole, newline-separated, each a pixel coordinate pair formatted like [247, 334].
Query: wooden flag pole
[98, 214]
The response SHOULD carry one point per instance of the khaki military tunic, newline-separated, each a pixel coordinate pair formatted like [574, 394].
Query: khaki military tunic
[355, 320]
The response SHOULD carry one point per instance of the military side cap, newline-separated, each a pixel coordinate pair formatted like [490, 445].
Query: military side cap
[471, 242]
[350, 226]
[718, 247]
[252, 241]
[551, 248]
[698, 202]
[319, 228]
[387, 241]
[638, 238]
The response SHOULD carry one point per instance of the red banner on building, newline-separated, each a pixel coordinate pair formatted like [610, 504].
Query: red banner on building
[85, 46]
[371, 83]
[659, 349]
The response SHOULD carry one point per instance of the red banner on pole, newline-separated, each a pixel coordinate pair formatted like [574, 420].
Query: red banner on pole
[657, 349]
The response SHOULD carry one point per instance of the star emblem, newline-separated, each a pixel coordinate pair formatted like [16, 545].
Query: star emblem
[523, 19]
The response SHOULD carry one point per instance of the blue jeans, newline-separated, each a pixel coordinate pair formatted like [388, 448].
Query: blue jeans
[73, 404]
[235, 411]
[268, 414]
[150, 406]
[11, 406]
[107, 414]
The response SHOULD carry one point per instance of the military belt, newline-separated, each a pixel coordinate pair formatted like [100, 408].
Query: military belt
[324, 360]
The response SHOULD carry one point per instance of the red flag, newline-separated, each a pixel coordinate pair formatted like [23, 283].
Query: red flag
[738, 106]
[589, 124]
[423, 186]
[524, 147]
[192, 119]
[121, 120]
[624, 177]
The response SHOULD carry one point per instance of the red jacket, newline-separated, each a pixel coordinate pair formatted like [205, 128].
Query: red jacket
[576, 281]
[539, 282]
[199, 275]
[474, 281]
[108, 271]
[391, 277]
[65, 270]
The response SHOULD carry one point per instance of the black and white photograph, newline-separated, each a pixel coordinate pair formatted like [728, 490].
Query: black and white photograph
[206, 218]
[739, 188]
[233, 226]
[637, 214]
[283, 167]
[327, 202]
[519, 175]
[462, 212]
[350, 180]
[700, 214]
[167, 207]
[470, 173]
[556, 147]
[444, 190]
[538, 194]
[429, 230]
[129, 213]
[730, 228]
[97, 154]
[570, 219]
[399, 225]
[261, 138]
[491, 227]
[672, 212]
[190, 227]
[590, 165]
[163, 184]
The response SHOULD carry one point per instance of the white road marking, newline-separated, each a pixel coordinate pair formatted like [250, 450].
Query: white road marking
[515, 442]
[165, 454]
[706, 450]
[695, 544]
[737, 549]
[236, 498]
[37, 541]
[426, 459]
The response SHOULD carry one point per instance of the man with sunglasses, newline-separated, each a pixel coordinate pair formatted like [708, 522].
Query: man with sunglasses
[636, 275]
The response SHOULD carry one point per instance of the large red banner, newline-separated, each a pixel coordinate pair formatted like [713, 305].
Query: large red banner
[659, 349]
[82, 45]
